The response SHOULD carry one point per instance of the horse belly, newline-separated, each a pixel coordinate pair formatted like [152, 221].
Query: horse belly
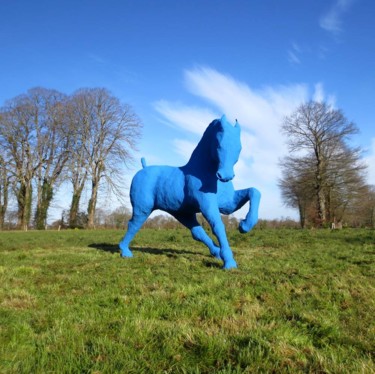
[169, 190]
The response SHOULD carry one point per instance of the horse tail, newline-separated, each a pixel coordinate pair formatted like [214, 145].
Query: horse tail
[143, 162]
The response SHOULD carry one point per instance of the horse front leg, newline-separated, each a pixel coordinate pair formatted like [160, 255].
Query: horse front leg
[212, 214]
[252, 215]
[235, 200]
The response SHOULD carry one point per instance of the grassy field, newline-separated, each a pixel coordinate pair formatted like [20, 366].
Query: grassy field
[300, 302]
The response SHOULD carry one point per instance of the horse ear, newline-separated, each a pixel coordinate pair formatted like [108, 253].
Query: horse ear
[223, 119]
[237, 125]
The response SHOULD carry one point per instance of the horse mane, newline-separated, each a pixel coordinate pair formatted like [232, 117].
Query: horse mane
[209, 132]
[203, 144]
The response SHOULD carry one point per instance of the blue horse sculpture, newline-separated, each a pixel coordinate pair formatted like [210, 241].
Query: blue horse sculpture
[202, 185]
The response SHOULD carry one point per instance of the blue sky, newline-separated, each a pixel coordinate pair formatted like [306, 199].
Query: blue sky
[181, 64]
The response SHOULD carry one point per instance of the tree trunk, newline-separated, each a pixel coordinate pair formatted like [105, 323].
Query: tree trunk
[4, 186]
[321, 206]
[3, 209]
[3, 202]
[92, 206]
[44, 202]
[330, 211]
[24, 197]
[74, 206]
[302, 215]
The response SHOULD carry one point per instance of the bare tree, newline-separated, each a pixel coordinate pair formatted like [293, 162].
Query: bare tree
[18, 140]
[345, 181]
[46, 137]
[367, 206]
[107, 132]
[52, 144]
[118, 217]
[77, 170]
[34, 142]
[297, 185]
[320, 133]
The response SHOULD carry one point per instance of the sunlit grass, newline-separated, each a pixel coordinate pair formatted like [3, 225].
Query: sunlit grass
[300, 301]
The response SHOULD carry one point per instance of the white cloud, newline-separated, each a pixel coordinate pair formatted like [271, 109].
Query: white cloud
[258, 111]
[189, 118]
[184, 148]
[332, 20]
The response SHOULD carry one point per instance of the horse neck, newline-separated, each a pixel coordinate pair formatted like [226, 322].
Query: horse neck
[201, 159]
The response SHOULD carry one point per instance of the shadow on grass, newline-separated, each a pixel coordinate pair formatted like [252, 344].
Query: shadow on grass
[169, 252]
[212, 264]
[114, 248]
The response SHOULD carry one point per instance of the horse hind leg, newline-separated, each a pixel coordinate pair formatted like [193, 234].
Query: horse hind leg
[136, 222]
[198, 233]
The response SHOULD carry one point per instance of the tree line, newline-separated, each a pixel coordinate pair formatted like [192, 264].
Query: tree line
[119, 217]
[88, 138]
[323, 176]
[47, 137]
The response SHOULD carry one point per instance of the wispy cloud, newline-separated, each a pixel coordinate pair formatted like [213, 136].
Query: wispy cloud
[184, 147]
[185, 117]
[323, 51]
[294, 54]
[260, 114]
[104, 66]
[97, 59]
[319, 95]
[332, 19]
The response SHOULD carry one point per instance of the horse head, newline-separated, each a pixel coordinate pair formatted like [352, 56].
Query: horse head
[226, 148]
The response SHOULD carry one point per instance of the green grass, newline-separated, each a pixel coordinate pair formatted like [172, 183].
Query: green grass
[300, 301]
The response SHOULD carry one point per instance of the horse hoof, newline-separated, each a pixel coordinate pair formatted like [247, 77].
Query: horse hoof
[216, 253]
[125, 252]
[243, 228]
[230, 265]
[246, 226]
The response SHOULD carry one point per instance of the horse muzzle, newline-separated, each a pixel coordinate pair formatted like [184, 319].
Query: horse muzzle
[224, 178]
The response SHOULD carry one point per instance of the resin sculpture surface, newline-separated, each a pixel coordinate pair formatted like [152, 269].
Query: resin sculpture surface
[202, 185]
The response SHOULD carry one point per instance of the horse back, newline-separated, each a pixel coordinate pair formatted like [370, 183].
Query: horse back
[158, 187]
